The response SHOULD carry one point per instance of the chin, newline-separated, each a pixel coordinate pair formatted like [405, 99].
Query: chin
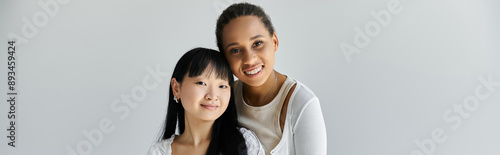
[210, 118]
[254, 81]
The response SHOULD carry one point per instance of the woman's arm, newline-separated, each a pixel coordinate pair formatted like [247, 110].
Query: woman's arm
[309, 130]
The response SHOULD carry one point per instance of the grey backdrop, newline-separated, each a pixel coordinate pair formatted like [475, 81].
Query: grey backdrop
[92, 75]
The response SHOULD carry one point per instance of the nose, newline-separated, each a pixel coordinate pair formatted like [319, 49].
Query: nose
[249, 56]
[211, 95]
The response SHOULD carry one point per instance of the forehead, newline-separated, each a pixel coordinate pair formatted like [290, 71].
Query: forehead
[243, 28]
[210, 72]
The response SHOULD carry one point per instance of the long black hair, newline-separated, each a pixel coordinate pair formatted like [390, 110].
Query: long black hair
[226, 138]
[240, 9]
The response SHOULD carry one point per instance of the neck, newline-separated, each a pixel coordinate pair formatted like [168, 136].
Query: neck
[256, 95]
[196, 132]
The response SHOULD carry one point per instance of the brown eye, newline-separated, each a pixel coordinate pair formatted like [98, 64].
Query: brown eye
[234, 50]
[201, 83]
[257, 43]
[223, 86]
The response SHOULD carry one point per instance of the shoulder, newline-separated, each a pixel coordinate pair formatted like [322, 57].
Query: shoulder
[301, 97]
[303, 100]
[252, 141]
[162, 147]
[302, 93]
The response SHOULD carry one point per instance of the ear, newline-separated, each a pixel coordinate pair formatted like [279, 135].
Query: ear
[276, 42]
[176, 87]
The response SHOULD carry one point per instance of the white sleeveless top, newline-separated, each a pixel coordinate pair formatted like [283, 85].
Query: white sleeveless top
[265, 118]
[304, 129]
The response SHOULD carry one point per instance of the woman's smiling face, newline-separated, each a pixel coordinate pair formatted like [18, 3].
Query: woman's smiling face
[249, 48]
[204, 97]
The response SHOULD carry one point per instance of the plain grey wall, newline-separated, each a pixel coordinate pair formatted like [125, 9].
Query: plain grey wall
[424, 81]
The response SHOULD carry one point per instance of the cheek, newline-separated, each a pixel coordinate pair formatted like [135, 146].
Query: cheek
[269, 49]
[269, 54]
[234, 69]
[225, 96]
[233, 64]
[190, 94]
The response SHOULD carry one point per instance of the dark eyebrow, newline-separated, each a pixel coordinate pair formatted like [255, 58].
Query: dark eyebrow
[251, 38]
[257, 36]
[231, 44]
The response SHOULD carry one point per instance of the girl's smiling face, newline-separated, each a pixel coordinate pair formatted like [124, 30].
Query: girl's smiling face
[249, 48]
[205, 97]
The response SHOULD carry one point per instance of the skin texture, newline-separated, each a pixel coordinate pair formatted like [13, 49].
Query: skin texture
[204, 99]
[248, 45]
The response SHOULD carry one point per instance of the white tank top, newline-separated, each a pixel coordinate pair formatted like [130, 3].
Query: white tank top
[263, 120]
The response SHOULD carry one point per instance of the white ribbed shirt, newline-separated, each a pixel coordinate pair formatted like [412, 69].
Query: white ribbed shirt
[304, 130]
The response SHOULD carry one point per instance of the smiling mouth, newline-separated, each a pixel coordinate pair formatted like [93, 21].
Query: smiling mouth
[209, 106]
[254, 71]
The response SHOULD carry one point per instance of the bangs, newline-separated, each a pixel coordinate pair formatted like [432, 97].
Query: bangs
[211, 62]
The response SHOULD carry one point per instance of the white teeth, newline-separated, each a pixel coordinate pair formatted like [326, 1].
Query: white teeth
[254, 71]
